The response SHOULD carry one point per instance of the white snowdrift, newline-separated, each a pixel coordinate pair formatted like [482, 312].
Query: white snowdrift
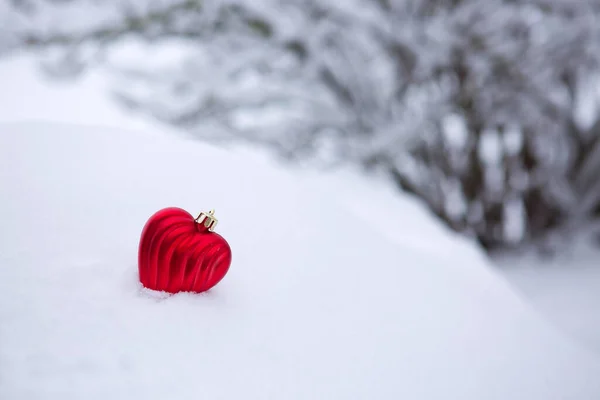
[318, 304]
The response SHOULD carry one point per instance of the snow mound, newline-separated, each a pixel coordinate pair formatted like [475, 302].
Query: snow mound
[318, 303]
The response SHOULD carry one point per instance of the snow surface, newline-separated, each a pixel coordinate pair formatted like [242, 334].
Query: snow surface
[565, 288]
[319, 302]
[26, 94]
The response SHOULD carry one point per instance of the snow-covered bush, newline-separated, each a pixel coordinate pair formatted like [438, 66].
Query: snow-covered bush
[485, 109]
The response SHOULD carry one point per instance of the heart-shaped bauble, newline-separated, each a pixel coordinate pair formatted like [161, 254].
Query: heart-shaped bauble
[178, 253]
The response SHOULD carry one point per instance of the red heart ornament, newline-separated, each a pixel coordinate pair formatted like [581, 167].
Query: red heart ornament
[178, 253]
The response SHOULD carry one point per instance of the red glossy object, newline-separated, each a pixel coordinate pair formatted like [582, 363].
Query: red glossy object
[178, 254]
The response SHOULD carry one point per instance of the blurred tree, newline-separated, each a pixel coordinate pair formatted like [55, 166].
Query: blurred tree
[485, 109]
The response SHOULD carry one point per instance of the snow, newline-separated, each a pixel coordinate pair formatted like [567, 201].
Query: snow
[28, 95]
[565, 289]
[490, 147]
[339, 288]
[513, 140]
[514, 226]
[318, 303]
[455, 131]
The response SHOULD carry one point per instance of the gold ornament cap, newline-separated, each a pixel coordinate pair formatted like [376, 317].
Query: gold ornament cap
[208, 220]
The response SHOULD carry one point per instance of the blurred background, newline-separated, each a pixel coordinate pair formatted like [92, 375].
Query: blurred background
[487, 110]
[484, 110]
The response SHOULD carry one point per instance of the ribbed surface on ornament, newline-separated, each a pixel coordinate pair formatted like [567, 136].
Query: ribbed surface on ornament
[178, 254]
